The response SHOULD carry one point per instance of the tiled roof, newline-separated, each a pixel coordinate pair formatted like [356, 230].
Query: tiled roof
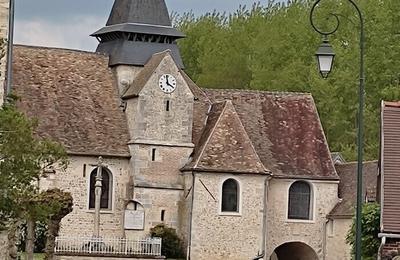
[144, 75]
[285, 131]
[348, 187]
[225, 145]
[73, 95]
[390, 158]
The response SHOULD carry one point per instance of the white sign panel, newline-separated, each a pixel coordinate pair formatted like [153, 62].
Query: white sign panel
[134, 219]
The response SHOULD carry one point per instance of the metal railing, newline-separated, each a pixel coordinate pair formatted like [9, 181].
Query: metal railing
[108, 246]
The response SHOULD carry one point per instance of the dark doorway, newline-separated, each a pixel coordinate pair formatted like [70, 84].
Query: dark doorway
[294, 251]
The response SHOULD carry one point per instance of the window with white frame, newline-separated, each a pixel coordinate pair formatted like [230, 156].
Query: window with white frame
[230, 196]
[300, 201]
[106, 189]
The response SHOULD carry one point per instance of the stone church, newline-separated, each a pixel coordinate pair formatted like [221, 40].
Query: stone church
[239, 174]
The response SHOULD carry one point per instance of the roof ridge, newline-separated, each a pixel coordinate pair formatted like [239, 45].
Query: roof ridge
[260, 91]
[59, 48]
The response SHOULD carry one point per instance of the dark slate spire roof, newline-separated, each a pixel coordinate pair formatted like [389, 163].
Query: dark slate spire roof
[135, 30]
[139, 11]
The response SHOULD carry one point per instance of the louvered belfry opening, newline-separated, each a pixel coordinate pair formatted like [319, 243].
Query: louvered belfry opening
[137, 29]
[299, 200]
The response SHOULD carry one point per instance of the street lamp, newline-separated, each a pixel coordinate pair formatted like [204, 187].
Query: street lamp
[325, 57]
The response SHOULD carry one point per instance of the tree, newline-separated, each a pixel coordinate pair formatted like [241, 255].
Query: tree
[272, 48]
[23, 160]
[370, 225]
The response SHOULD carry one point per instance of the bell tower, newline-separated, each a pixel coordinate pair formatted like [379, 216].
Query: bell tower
[137, 29]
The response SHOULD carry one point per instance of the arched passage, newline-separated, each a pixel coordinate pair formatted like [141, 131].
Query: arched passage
[294, 251]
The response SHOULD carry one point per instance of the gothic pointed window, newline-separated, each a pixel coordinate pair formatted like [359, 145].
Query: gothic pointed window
[106, 189]
[299, 201]
[230, 196]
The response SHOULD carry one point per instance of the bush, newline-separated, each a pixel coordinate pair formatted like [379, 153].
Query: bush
[172, 246]
[370, 227]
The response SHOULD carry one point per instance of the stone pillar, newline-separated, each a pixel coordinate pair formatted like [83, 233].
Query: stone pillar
[96, 232]
[4, 13]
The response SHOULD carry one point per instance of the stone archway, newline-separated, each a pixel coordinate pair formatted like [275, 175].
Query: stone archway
[294, 251]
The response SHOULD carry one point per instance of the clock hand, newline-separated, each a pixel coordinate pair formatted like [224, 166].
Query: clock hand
[167, 78]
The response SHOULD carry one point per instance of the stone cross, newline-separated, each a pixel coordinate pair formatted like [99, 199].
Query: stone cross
[99, 165]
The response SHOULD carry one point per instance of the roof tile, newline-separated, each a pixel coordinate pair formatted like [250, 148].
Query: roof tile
[74, 98]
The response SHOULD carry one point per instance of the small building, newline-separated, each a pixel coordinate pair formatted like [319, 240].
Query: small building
[340, 218]
[390, 179]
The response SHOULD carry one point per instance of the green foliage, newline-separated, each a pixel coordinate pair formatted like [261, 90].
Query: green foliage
[272, 48]
[45, 206]
[23, 160]
[370, 229]
[172, 246]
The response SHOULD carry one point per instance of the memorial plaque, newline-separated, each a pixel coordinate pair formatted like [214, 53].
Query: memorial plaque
[134, 219]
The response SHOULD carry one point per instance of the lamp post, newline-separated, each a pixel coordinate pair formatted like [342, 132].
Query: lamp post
[325, 57]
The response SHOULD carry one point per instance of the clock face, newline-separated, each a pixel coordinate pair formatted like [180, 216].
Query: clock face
[167, 83]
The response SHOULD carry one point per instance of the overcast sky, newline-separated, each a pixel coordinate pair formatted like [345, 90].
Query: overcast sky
[68, 23]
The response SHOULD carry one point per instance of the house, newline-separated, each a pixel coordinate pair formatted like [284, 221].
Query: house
[340, 218]
[390, 179]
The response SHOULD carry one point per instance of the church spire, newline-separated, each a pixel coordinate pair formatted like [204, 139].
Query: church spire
[135, 30]
[139, 11]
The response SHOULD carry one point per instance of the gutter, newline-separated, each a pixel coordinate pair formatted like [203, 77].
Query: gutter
[325, 224]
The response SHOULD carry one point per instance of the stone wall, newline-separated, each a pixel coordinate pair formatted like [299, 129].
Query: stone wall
[4, 10]
[76, 180]
[217, 235]
[282, 230]
[336, 232]
[147, 116]
[154, 201]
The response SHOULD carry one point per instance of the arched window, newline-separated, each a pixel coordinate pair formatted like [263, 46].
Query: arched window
[299, 200]
[106, 189]
[230, 196]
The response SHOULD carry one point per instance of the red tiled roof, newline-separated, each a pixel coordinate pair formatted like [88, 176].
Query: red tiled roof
[285, 131]
[73, 95]
[225, 145]
[348, 187]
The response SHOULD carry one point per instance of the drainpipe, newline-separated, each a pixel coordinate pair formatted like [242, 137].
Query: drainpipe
[264, 220]
[10, 47]
[383, 242]
[324, 239]
[189, 247]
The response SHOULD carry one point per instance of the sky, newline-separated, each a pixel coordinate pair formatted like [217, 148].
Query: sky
[68, 23]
